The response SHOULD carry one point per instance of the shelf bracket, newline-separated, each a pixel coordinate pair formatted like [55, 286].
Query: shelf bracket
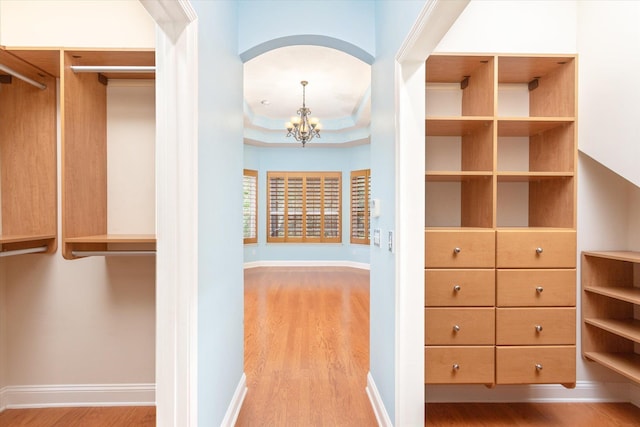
[5, 79]
[465, 82]
[103, 79]
[533, 83]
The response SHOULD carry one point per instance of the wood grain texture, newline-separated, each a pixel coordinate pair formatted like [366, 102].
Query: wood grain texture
[306, 347]
[531, 414]
[139, 416]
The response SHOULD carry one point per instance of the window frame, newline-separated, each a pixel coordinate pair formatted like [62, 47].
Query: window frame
[285, 220]
[254, 174]
[366, 173]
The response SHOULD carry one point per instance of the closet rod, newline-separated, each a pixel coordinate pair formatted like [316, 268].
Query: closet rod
[24, 251]
[22, 77]
[112, 253]
[113, 69]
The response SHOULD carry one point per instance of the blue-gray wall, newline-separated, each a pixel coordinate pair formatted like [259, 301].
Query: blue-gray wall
[323, 159]
[220, 275]
[394, 20]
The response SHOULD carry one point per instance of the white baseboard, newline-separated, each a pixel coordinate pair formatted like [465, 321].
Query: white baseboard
[311, 263]
[78, 395]
[585, 391]
[233, 410]
[2, 399]
[377, 404]
[634, 394]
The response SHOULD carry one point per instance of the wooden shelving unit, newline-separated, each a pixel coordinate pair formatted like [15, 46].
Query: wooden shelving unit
[500, 192]
[84, 150]
[610, 303]
[28, 154]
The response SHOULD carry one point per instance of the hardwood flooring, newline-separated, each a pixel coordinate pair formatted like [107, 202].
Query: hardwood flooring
[306, 347]
[532, 414]
[129, 416]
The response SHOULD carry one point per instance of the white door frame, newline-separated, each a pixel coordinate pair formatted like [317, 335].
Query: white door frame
[434, 21]
[177, 212]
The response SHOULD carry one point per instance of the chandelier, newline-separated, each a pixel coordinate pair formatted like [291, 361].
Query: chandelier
[303, 128]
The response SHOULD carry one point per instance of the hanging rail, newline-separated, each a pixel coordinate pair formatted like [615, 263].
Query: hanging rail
[22, 77]
[112, 253]
[113, 69]
[24, 251]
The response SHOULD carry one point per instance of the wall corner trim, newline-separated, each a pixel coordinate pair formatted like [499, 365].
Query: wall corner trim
[377, 404]
[233, 410]
[50, 396]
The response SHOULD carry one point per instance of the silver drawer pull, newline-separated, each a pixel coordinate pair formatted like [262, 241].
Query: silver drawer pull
[456, 288]
[538, 367]
[456, 367]
[456, 328]
[456, 250]
[539, 328]
[538, 251]
[539, 289]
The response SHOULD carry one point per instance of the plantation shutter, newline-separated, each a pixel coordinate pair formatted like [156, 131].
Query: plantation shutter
[360, 198]
[250, 206]
[276, 208]
[332, 196]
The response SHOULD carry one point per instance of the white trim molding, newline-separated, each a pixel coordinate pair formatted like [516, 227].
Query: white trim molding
[233, 410]
[585, 391]
[352, 264]
[48, 396]
[435, 19]
[3, 403]
[377, 404]
[177, 212]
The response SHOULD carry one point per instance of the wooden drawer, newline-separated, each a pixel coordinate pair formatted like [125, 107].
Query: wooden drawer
[536, 288]
[459, 326]
[536, 249]
[519, 326]
[460, 248]
[459, 288]
[536, 365]
[459, 365]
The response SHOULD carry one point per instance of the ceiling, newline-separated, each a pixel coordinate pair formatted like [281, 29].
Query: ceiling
[338, 94]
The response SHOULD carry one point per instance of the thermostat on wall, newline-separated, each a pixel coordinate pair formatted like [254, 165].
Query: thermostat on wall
[374, 209]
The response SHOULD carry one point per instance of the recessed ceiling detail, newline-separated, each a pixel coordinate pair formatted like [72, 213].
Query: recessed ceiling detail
[338, 93]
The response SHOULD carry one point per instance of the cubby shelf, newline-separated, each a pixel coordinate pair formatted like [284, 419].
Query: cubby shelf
[610, 301]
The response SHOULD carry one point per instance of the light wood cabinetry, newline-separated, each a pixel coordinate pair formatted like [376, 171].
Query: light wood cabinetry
[611, 310]
[84, 151]
[500, 192]
[28, 152]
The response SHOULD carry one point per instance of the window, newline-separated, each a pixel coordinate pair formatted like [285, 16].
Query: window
[304, 207]
[360, 193]
[250, 206]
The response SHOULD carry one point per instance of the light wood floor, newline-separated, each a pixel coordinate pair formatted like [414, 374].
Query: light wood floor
[306, 359]
[129, 416]
[306, 347]
[532, 414]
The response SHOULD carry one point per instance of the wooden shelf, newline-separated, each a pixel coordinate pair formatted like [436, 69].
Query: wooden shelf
[518, 69]
[528, 126]
[455, 176]
[627, 256]
[627, 364]
[4, 239]
[455, 126]
[453, 68]
[627, 328]
[508, 176]
[628, 294]
[114, 238]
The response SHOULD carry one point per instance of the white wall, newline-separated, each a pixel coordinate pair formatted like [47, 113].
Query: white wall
[608, 42]
[72, 23]
[89, 321]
